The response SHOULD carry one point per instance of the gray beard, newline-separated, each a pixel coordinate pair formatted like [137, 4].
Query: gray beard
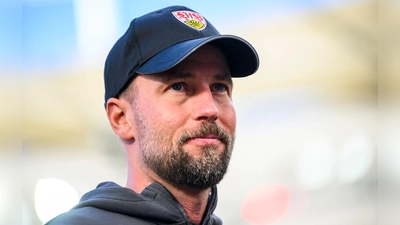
[173, 164]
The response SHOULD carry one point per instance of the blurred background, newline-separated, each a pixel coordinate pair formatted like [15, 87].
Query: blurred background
[308, 127]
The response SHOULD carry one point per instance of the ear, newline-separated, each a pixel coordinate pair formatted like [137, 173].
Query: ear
[120, 116]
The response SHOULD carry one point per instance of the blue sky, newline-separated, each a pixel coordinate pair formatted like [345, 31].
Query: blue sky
[42, 34]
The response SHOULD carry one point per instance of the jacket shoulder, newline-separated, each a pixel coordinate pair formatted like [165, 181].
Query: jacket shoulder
[94, 216]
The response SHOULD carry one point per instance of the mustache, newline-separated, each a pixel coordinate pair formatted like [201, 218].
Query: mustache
[203, 130]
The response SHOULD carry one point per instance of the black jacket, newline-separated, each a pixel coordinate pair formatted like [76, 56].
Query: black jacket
[111, 204]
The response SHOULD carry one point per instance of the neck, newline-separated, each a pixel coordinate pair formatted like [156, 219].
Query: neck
[193, 201]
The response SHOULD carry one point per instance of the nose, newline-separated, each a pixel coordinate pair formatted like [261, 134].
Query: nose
[204, 108]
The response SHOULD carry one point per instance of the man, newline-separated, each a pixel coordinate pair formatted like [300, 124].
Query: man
[168, 96]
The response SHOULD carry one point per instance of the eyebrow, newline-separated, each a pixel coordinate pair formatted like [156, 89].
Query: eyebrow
[225, 77]
[174, 76]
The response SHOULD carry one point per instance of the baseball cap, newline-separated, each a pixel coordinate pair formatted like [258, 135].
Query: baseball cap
[159, 40]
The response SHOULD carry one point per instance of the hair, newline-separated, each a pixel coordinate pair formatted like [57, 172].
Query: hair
[130, 92]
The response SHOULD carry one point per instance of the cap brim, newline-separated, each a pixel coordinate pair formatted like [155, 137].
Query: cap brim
[241, 56]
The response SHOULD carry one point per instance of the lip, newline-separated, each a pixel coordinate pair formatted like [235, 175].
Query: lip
[204, 140]
[209, 136]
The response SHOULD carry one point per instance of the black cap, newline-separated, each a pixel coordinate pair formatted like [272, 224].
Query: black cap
[161, 39]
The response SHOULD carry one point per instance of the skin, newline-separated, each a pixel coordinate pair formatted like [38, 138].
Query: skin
[196, 91]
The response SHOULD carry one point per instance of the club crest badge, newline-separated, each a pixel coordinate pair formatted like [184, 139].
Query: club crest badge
[191, 19]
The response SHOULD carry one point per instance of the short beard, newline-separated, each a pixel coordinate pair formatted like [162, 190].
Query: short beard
[173, 164]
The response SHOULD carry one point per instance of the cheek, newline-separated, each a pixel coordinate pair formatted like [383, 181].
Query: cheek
[228, 116]
[233, 119]
[163, 116]
[170, 118]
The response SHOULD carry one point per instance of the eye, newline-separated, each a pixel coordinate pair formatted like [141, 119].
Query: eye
[177, 87]
[219, 87]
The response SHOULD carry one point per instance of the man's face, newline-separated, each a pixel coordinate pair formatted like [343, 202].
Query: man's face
[185, 120]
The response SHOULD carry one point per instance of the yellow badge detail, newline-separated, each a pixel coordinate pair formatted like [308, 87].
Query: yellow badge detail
[195, 24]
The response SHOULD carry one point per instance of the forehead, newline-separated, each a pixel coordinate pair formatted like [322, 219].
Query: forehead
[207, 60]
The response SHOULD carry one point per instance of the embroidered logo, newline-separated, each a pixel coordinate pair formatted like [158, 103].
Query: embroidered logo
[192, 19]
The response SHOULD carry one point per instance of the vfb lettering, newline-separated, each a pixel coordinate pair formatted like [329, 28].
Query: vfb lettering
[192, 19]
[187, 15]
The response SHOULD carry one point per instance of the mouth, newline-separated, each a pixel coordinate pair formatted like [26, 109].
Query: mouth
[209, 139]
[205, 134]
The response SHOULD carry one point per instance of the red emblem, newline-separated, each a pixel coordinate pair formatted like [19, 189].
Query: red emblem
[191, 19]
